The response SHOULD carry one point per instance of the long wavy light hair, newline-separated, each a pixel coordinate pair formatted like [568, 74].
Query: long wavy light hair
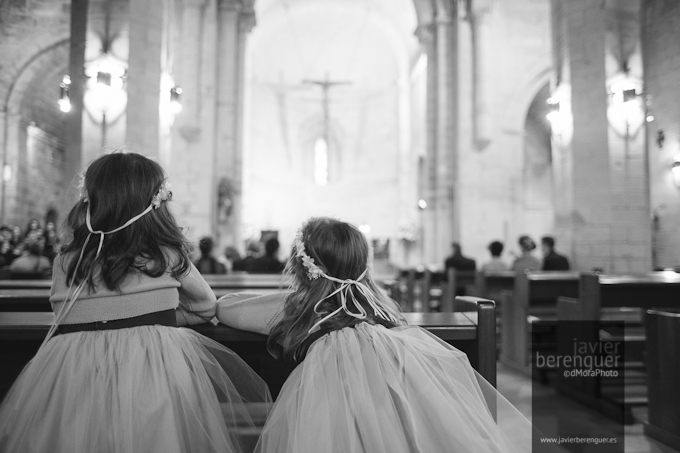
[341, 251]
[120, 186]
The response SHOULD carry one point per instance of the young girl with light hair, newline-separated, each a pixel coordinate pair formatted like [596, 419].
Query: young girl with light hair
[365, 381]
[115, 373]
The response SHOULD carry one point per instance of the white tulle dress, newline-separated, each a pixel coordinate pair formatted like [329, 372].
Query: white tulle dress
[372, 389]
[150, 388]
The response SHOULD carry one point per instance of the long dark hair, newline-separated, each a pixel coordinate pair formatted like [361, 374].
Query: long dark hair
[341, 251]
[118, 187]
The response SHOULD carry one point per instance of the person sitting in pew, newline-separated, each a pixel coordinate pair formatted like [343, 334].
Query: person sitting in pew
[31, 259]
[458, 261]
[526, 261]
[496, 263]
[552, 261]
[363, 380]
[115, 373]
[207, 264]
[269, 263]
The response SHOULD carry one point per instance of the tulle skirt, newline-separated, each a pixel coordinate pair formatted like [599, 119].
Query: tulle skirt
[140, 389]
[377, 390]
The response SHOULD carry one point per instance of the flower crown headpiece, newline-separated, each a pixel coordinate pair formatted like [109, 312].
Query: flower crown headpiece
[313, 271]
[345, 290]
[164, 193]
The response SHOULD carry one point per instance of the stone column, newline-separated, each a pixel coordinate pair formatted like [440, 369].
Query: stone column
[590, 219]
[147, 24]
[631, 224]
[447, 131]
[426, 35]
[236, 19]
[74, 122]
[478, 15]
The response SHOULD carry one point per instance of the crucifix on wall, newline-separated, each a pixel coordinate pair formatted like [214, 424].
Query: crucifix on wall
[322, 143]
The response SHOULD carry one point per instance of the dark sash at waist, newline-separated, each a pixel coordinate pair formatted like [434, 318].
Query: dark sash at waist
[163, 318]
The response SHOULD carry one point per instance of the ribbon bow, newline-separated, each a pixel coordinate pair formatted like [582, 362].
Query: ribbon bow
[344, 290]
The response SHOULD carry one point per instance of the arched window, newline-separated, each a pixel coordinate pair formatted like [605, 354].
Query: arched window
[321, 161]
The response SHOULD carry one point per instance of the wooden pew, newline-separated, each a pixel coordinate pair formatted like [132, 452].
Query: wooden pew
[490, 284]
[458, 283]
[37, 299]
[425, 290]
[662, 330]
[251, 281]
[607, 302]
[531, 313]
[471, 330]
[228, 281]
[25, 284]
[25, 300]
[411, 286]
[496, 286]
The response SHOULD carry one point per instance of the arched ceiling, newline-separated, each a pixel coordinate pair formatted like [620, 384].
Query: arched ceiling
[370, 43]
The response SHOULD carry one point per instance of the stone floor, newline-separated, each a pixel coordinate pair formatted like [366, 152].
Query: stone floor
[579, 420]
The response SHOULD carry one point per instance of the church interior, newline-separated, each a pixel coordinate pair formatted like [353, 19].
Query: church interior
[425, 123]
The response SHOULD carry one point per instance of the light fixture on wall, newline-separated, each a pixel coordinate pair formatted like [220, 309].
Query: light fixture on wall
[629, 95]
[553, 110]
[64, 99]
[175, 99]
[559, 113]
[7, 173]
[626, 113]
[422, 204]
[675, 169]
[105, 98]
[649, 114]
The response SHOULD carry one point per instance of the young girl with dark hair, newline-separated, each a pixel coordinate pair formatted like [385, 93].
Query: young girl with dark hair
[364, 380]
[115, 374]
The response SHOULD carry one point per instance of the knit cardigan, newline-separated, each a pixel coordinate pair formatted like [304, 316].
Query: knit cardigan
[138, 295]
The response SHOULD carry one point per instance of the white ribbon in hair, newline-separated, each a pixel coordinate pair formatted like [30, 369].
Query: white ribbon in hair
[344, 289]
[71, 297]
[102, 233]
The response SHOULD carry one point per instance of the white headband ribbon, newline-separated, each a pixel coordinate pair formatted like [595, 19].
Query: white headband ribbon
[344, 290]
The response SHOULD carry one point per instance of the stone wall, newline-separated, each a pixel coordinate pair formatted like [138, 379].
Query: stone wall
[661, 34]
[34, 49]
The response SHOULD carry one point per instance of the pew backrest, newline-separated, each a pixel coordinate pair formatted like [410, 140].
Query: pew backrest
[653, 290]
[483, 313]
[663, 375]
[543, 288]
[489, 284]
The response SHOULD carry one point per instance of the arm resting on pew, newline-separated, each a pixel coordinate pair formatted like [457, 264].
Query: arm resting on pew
[197, 303]
[251, 312]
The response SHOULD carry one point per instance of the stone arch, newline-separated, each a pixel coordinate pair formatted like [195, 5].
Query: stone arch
[33, 65]
[26, 104]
